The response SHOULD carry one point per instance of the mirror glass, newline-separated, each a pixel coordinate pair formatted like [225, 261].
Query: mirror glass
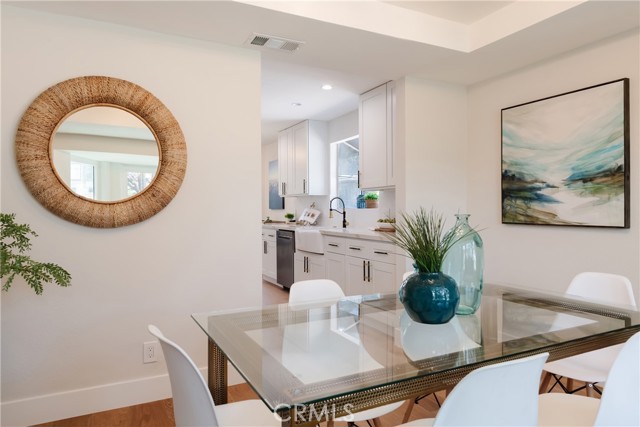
[105, 153]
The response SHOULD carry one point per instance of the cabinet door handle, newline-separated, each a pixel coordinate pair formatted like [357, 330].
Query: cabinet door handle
[264, 244]
[368, 271]
[306, 264]
[364, 271]
[333, 245]
[381, 253]
[304, 186]
[353, 248]
[358, 179]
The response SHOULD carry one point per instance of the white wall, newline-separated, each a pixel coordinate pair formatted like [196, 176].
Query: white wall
[79, 349]
[344, 127]
[549, 256]
[432, 150]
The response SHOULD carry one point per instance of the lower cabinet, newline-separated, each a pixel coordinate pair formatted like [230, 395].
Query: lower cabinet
[361, 266]
[308, 266]
[335, 268]
[364, 276]
[269, 260]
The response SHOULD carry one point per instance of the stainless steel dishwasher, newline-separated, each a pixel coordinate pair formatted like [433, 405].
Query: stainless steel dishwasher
[285, 248]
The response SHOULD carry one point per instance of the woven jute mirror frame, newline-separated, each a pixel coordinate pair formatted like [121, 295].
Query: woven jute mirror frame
[52, 106]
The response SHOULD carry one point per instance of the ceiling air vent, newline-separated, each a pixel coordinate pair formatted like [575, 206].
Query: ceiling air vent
[272, 42]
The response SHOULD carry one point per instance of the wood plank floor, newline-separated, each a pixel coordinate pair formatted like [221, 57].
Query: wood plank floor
[160, 413]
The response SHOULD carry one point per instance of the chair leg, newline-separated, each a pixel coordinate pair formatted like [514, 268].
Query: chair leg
[545, 383]
[376, 422]
[590, 391]
[595, 387]
[435, 396]
[570, 383]
[407, 412]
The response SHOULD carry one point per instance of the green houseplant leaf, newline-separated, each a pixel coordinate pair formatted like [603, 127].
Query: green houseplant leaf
[15, 242]
[422, 236]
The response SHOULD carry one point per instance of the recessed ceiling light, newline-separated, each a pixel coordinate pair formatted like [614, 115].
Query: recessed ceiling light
[327, 87]
[296, 104]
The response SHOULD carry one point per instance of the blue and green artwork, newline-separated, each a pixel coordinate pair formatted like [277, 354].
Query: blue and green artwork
[565, 159]
[275, 201]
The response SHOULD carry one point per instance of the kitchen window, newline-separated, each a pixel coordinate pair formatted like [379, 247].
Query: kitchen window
[138, 180]
[345, 157]
[82, 180]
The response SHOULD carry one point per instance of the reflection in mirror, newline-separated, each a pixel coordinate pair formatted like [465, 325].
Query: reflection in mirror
[104, 153]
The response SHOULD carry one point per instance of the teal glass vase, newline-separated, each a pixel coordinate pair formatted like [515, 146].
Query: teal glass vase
[429, 297]
[465, 263]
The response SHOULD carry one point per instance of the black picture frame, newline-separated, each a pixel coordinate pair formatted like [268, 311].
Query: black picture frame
[565, 158]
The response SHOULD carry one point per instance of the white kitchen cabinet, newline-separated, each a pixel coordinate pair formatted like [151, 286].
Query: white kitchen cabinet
[360, 266]
[377, 142]
[365, 276]
[269, 260]
[308, 266]
[335, 269]
[303, 159]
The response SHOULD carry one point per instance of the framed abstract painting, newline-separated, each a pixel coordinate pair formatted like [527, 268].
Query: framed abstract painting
[565, 159]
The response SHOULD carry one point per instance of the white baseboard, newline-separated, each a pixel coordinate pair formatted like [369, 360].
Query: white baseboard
[74, 403]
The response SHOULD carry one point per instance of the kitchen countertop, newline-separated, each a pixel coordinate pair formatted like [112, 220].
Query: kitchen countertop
[352, 233]
[356, 233]
[279, 225]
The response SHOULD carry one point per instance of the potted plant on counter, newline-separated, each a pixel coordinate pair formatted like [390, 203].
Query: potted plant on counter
[428, 295]
[290, 217]
[14, 261]
[371, 200]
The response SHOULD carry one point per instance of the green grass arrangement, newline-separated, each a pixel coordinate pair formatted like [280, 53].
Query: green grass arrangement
[14, 244]
[423, 237]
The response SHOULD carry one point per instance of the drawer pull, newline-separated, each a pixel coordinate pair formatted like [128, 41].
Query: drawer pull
[381, 253]
[354, 248]
[333, 244]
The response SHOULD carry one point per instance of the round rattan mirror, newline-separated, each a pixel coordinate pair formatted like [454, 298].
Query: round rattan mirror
[43, 117]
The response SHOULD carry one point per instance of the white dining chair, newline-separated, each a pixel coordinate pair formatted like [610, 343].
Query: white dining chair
[192, 401]
[504, 394]
[309, 291]
[592, 367]
[620, 402]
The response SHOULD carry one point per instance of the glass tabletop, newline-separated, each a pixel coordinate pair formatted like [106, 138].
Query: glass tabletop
[301, 354]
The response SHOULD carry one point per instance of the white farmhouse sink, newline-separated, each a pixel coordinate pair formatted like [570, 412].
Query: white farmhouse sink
[309, 240]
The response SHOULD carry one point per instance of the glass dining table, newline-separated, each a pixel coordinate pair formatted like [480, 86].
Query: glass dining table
[332, 358]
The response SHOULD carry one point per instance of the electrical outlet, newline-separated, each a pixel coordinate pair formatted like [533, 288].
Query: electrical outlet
[150, 352]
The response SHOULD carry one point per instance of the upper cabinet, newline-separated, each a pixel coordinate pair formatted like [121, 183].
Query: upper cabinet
[303, 160]
[377, 122]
